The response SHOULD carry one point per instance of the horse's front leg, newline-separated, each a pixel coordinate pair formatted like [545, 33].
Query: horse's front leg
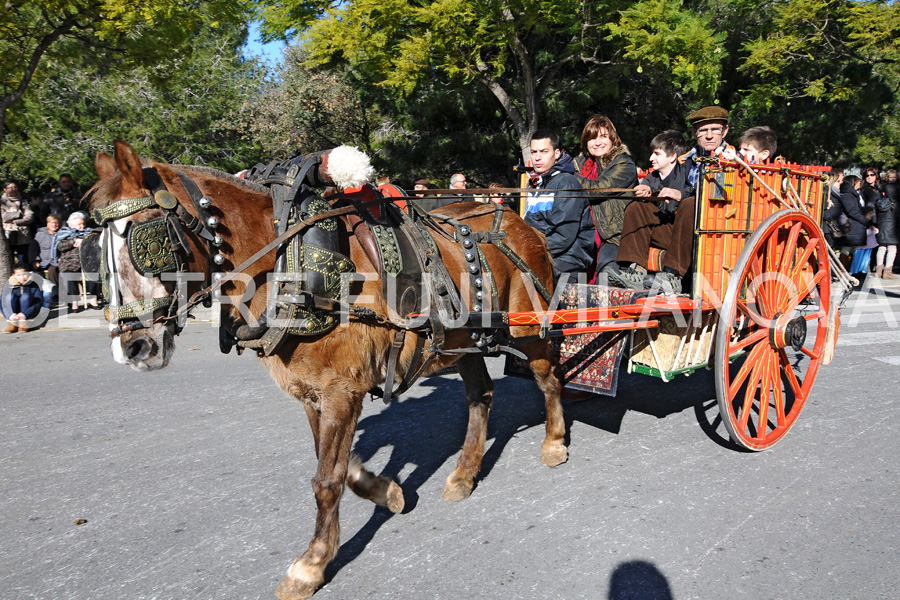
[479, 395]
[337, 423]
[553, 450]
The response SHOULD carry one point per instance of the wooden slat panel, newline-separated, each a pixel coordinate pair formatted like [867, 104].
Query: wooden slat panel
[731, 205]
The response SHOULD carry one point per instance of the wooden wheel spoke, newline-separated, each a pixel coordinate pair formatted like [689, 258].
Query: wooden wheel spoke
[754, 316]
[778, 393]
[788, 369]
[757, 275]
[806, 292]
[746, 368]
[753, 338]
[766, 382]
[802, 261]
[810, 352]
[749, 397]
[787, 252]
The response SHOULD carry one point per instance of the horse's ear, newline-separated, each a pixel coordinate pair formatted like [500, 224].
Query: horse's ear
[129, 165]
[105, 165]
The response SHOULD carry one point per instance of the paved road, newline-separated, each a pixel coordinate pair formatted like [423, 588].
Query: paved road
[193, 482]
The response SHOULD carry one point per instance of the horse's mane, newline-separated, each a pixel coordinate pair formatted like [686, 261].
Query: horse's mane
[103, 191]
[223, 176]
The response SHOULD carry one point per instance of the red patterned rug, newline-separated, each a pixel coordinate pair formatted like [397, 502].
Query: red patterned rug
[588, 361]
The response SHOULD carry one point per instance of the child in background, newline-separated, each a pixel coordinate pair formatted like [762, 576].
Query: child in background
[758, 144]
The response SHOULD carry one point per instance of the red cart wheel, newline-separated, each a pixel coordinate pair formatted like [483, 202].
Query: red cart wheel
[771, 332]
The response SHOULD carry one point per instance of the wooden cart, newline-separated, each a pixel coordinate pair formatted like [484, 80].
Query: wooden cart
[762, 307]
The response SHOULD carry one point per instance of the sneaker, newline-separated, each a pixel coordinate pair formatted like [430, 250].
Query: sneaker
[631, 277]
[667, 283]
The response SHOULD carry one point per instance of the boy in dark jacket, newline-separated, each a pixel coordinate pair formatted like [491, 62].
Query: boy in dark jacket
[562, 217]
[667, 223]
[22, 300]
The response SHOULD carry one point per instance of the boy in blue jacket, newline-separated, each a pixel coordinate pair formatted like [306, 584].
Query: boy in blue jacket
[562, 216]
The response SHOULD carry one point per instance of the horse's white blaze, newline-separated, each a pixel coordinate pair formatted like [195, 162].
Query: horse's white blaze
[114, 243]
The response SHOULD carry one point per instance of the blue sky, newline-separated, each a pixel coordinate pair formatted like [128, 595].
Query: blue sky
[271, 52]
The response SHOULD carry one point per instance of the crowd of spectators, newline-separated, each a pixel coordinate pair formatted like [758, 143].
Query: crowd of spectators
[860, 221]
[44, 233]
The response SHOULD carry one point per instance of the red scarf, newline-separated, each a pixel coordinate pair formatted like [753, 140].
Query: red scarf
[589, 170]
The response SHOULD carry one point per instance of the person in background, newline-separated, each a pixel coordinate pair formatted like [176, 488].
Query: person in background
[62, 201]
[871, 188]
[495, 198]
[66, 253]
[44, 248]
[892, 190]
[886, 223]
[852, 205]
[457, 181]
[22, 300]
[17, 217]
[758, 144]
[605, 163]
[833, 208]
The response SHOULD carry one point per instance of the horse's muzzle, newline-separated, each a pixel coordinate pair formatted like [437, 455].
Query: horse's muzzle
[146, 349]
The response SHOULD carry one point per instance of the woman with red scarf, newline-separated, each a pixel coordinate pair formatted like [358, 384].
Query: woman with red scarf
[605, 163]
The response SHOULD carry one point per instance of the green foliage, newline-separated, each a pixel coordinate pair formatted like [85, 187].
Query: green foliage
[305, 109]
[659, 33]
[186, 110]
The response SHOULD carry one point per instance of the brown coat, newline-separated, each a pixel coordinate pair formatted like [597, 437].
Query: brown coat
[616, 171]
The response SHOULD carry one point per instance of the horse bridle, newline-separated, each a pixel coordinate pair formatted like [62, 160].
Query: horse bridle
[155, 246]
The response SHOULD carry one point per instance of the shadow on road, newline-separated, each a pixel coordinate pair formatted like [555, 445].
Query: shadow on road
[427, 432]
[638, 580]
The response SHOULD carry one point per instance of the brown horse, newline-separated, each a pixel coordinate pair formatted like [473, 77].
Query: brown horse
[329, 373]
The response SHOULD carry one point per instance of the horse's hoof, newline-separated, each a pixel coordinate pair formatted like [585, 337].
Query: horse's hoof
[295, 589]
[553, 454]
[457, 490]
[395, 501]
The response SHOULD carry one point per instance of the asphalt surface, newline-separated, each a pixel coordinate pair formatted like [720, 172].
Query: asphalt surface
[193, 482]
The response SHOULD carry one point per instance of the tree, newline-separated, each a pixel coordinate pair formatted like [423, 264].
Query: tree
[514, 49]
[823, 72]
[186, 109]
[109, 29]
[304, 109]
[111, 32]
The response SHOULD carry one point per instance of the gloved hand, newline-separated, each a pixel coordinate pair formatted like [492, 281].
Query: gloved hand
[669, 207]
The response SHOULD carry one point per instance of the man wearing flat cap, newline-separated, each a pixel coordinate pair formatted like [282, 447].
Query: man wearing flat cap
[672, 227]
[709, 126]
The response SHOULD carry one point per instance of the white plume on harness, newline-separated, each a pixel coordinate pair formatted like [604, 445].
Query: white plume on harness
[349, 167]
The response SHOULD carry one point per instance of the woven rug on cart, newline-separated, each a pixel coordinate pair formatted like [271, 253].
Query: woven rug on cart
[588, 361]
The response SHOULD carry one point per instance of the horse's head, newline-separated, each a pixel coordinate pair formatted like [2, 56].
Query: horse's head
[138, 258]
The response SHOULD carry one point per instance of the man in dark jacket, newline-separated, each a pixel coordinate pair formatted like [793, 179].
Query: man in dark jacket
[667, 224]
[62, 201]
[562, 216]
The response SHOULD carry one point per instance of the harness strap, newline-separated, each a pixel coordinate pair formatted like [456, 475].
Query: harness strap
[393, 355]
[416, 368]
